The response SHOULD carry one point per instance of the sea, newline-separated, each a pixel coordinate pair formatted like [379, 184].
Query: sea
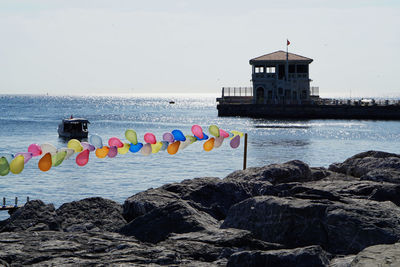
[33, 119]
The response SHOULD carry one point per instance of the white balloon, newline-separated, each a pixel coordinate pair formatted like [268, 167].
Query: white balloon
[48, 148]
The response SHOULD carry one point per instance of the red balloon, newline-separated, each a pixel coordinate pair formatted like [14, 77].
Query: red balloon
[83, 158]
[150, 138]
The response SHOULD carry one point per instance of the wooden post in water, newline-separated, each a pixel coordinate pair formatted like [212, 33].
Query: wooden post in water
[245, 152]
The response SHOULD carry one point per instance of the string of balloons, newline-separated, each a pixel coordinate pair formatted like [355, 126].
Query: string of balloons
[172, 142]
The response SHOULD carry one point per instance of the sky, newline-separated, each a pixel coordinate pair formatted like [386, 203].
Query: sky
[197, 47]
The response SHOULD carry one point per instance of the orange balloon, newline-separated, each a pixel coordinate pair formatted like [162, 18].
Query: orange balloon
[173, 148]
[102, 152]
[209, 144]
[45, 162]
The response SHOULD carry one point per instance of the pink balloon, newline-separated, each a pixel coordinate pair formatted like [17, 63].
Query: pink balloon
[235, 142]
[114, 141]
[150, 138]
[27, 156]
[112, 152]
[169, 137]
[223, 133]
[88, 146]
[197, 131]
[35, 149]
[83, 158]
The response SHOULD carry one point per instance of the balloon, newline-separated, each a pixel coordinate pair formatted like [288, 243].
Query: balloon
[237, 133]
[150, 138]
[58, 158]
[45, 162]
[4, 166]
[223, 133]
[173, 148]
[48, 148]
[112, 152]
[96, 141]
[146, 149]
[35, 149]
[209, 144]
[75, 145]
[169, 137]
[102, 152]
[83, 158]
[184, 144]
[69, 151]
[131, 136]
[27, 156]
[114, 141]
[218, 141]
[197, 131]
[205, 137]
[178, 135]
[9, 157]
[88, 146]
[191, 138]
[214, 130]
[17, 164]
[235, 142]
[156, 147]
[135, 148]
[123, 150]
[164, 145]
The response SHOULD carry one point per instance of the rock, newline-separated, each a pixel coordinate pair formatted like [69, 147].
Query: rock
[175, 217]
[292, 171]
[371, 165]
[344, 227]
[144, 202]
[91, 214]
[379, 255]
[312, 256]
[34, 215]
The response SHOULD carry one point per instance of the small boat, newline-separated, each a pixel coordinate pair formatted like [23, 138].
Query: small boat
[73, 128]
[172, 102]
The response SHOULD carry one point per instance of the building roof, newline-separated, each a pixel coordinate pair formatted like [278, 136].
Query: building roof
[280, 56]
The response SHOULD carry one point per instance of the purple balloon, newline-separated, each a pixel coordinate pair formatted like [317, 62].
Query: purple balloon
[112, 152]
[88, 146]
[235, 142]
[169, 137]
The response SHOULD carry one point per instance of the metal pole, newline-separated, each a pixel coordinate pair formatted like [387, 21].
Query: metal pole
[245, 152]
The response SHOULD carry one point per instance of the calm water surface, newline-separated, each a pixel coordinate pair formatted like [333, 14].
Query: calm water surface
[34, 119]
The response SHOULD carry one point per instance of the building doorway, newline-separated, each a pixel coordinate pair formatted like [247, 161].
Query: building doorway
[260, 95]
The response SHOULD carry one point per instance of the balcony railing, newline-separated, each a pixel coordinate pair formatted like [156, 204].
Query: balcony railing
[237, 91]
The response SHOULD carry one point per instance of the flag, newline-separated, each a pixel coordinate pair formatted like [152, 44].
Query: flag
[287, 42]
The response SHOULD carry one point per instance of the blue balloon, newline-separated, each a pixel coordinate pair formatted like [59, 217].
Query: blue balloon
[205, 137]
[135, 148]
[178, 135]
[96, 141]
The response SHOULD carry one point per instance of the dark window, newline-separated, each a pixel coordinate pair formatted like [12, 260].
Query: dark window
[269, 94]
[281, 72]
[280, 91]
[260, 95]
[302, 68]
[291, 68]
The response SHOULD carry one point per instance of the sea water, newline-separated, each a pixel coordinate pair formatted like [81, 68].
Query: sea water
[34, 119]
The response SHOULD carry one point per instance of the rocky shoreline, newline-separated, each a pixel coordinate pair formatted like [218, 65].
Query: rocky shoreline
[286, 214]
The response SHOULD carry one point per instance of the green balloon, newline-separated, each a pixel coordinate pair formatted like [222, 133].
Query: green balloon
[58, 158]
[4, 166]
[191, 138]
[214, 130]
[131, 136]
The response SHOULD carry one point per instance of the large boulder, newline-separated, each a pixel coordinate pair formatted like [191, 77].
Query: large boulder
[175, 217]
[344, 227]
[96, 214]
[312, 256]
[371, 165]
[379, 255]
[35, 216]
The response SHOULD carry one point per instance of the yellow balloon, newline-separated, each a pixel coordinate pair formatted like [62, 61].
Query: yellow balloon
[123, 150]
[75, 145]
[209, 144]
[236, 133]
[17, 164]
[156, 147]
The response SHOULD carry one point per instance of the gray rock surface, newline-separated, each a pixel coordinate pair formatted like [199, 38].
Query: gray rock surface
[278, 215]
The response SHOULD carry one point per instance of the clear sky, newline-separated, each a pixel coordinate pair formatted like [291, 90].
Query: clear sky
[160, 46]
